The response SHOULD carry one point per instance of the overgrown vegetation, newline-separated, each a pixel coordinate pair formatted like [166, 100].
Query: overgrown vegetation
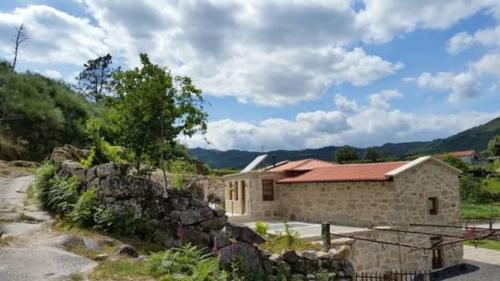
[36, 114]
[287, 240]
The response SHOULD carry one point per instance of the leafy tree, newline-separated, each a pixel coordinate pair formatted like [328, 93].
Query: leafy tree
[152, 109]
[96, 79]
[345, 154]
[457, 163]
[494, 146]
[372, 154]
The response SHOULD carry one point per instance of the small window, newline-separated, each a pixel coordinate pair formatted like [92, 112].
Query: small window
[236, 191]
[267, 190]
[230, 190]
[432, 205]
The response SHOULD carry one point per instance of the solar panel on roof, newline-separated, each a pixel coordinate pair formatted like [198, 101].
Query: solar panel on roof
[254, 163]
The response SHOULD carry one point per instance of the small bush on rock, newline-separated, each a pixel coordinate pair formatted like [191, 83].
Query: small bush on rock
[261, 227]
[85, 209]
[187, 263]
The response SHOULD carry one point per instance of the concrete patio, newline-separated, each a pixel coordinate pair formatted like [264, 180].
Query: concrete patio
[308, 231]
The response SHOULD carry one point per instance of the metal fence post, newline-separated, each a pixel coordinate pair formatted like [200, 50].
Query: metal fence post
[325, 236]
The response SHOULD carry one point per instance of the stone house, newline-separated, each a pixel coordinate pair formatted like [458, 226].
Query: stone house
[394, 194]
[255, 194]
[468, 156]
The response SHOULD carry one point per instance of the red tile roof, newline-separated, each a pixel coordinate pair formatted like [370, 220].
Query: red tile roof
[301, 165]
[347, 172]
[461, 153]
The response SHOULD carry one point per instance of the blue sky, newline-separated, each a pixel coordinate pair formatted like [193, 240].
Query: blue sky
[289, 75]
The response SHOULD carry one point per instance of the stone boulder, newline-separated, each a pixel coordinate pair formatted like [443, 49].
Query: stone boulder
[106, 170]
[243, 233]
[127, 250]
[289, 256]
[71, 168]
[248, 254]
[66, 152]
[192, 216]
[219, 239]
[67, 241]
[124, 187]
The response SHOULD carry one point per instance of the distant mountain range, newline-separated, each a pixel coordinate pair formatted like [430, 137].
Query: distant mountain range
[475, 138]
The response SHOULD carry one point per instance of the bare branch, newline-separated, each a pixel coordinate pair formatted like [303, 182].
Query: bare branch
[19, 40]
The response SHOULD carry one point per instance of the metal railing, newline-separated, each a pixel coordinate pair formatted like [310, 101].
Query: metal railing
[394, 276]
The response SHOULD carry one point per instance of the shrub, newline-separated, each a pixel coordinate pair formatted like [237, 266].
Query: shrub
[114, 220]
[186, 263]
[261, 227]
[85, 209]
[43, 181]
[62, 195]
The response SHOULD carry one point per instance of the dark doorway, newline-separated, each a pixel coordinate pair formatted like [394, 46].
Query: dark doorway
[243, 197]
[437, 259]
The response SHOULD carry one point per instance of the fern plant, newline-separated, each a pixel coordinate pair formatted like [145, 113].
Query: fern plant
[62, 195]
[188, 263]
[85, 208]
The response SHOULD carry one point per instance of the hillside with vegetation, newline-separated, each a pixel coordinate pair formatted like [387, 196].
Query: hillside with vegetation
[38, 113]
[475, 138]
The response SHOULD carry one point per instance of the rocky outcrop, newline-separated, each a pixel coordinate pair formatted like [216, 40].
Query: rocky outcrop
[67, 152]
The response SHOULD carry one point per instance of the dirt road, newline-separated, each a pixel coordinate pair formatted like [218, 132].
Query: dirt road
[30, 254]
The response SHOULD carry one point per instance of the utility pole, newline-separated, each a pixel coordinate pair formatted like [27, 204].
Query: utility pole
[19, 40]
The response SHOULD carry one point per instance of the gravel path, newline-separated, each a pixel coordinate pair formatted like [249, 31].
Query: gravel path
[29, 256]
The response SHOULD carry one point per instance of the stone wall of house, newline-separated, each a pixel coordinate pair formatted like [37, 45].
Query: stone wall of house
[253, 202]
[416, 186]
[401, 201]
[344, 203]
[368, 256]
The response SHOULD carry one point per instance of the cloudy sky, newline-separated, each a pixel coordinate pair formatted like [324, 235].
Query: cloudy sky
[289, 74]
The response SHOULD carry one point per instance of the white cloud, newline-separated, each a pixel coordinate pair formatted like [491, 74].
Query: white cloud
[384, 19]
[54, 36]
[266, 52]
[367, 126]
[459, 42]
[486, 37]
[460, 86]
[487, 64]
[345, 104]
[54, 74]
[381, 100]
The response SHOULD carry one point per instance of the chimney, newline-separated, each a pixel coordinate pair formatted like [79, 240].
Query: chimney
[274, 160]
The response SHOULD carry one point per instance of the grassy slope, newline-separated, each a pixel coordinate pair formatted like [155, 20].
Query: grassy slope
[492, 185]
[480, 211]
[487, 244]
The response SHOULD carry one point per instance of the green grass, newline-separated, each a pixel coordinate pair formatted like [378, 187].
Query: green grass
[277, 243]
[122, 269]
[480, 211]
[491, 185]
[487, 244]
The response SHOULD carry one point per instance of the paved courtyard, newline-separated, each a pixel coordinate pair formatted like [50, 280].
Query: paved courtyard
[309, 231]
[474, 271]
